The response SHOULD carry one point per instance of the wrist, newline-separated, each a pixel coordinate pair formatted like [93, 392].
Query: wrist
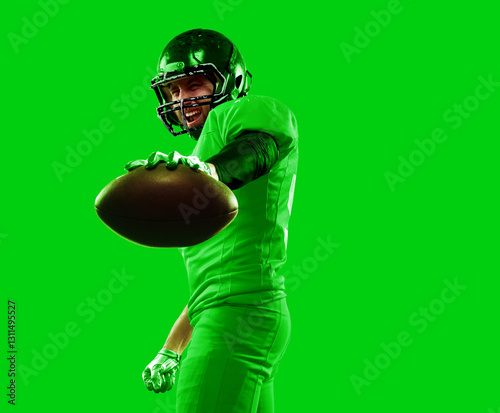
[213, 171]
[170, 353]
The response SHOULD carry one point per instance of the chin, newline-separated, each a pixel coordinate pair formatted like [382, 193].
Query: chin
[198, 122]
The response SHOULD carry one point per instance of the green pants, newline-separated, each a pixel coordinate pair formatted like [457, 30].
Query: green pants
[233, 358]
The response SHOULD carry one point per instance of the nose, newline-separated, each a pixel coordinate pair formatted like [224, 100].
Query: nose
[186, 94]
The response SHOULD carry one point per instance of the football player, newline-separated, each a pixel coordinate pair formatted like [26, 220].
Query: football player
[237, 319]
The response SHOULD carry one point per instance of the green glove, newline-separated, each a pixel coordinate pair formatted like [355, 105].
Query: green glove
[171, 160]
[159, 375]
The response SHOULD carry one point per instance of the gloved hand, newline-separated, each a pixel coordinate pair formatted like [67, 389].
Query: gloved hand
[159, 375]
[171, 160]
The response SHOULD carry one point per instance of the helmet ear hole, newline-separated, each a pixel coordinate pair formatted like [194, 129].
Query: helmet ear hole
[238, 81]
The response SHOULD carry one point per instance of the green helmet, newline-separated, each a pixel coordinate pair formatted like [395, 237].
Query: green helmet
[205, 52]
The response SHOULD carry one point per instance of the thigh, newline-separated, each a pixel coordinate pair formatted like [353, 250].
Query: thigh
[233, 353]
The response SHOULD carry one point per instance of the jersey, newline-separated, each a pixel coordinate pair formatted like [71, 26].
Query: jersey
[240, 264]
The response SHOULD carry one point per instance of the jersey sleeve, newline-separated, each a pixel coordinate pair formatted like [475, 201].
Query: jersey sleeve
[262, 114]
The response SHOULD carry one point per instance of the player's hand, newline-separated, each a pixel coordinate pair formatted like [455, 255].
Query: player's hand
[171, 160]
[159, 375]
[175, 158]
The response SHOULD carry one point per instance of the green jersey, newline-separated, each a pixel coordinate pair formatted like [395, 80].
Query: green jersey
[240, 264]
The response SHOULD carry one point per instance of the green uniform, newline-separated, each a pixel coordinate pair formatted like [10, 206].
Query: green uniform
[233, 358]
[237, 300]
[240, 264]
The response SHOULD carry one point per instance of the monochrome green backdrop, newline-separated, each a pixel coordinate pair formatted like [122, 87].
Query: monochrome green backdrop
[392, 272]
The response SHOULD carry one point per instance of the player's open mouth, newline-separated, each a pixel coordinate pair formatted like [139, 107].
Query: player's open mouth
[192, 116]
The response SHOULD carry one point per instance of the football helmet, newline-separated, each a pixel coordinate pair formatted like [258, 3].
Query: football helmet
[194, 52]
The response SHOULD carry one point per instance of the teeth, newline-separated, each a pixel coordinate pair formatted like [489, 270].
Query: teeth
[192, 113]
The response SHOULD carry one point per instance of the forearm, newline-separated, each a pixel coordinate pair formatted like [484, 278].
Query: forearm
[180, 334]
[244, 159]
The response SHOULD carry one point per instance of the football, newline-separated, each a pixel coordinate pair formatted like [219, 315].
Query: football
[166, 208]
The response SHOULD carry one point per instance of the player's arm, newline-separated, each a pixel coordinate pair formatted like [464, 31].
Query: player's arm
[244, 159]
[180, 334]
[159, 375]
[248, 157]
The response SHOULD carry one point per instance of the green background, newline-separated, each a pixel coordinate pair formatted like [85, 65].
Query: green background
[356, 116]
